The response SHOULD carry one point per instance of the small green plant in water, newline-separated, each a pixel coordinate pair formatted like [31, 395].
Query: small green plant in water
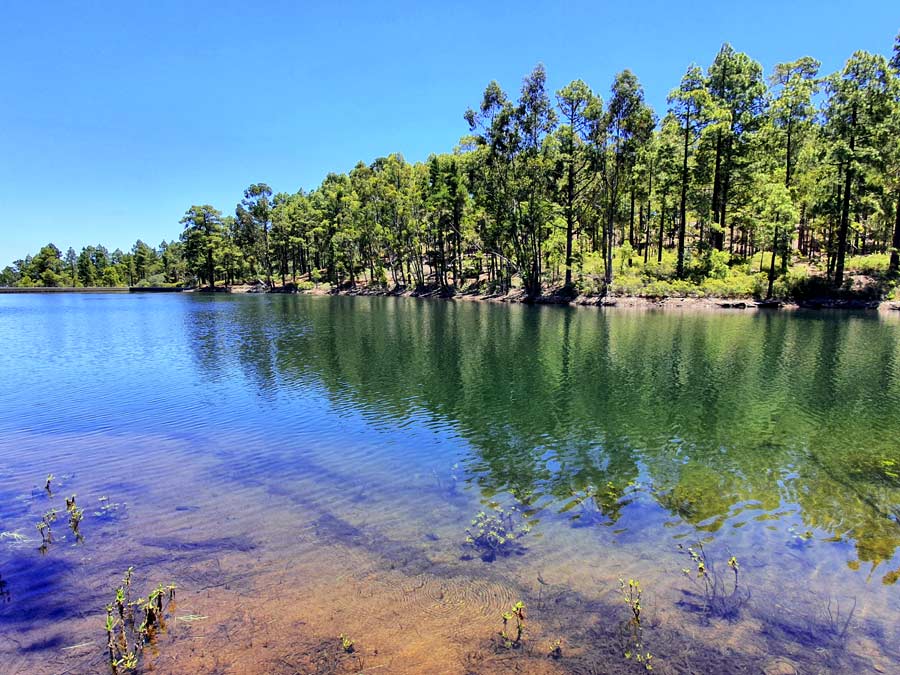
[346, 644]
[108, 509]
[631, 594]
[44, 527]
[126, 636]
[721, 595]
[555, 650]
[76, 515]
[496, 533]
[513, 639]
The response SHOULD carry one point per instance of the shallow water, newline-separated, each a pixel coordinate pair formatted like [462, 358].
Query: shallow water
[304, 467]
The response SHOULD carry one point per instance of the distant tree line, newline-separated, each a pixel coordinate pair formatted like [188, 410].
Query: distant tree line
[571, 192]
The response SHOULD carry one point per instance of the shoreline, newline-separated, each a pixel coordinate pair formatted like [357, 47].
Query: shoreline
[620, 302]
[31, 290]
[514, 297]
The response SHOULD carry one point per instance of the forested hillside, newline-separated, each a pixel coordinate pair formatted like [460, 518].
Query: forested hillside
[749, 184]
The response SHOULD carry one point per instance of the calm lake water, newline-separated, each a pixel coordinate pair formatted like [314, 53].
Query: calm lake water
[303, 467]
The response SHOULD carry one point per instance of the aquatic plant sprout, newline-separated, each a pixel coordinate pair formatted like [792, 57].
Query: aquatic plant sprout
[497, 532]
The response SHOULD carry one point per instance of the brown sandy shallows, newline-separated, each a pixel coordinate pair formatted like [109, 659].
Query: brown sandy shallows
[270, 574]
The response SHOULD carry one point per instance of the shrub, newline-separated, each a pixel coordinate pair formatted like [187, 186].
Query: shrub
[735, 285]
[797, 284]
[871, 265]
[676, 288]
[627, 284]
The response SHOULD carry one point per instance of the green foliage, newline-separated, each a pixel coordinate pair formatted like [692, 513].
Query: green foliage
[110, 277]
[631, 594]
[582, 196]
[716, 593]
[45, 529]
[133, 624]
[512, 637]
[497, 532]
[346, 644]
[798, 285]
[76, 515]
[556, 650]
[712, 264]
[874, 264]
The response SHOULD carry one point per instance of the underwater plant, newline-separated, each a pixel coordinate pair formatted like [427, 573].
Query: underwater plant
[346, 643]
[75, 517]
[126, 636]
[837, 622]
[43, 526]
[496, 533]
[556, 650]
[108, 509]
[632, 594]
[517, 612]
[722, 595]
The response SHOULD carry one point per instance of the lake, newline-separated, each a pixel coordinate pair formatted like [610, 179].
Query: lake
[307, 467]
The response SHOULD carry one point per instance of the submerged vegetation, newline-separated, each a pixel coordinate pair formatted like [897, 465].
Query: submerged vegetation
[76, 515]
[44, 527]
[346, 644]
[498, 532]
[131, 625]
[513, 634]
[45, 524]
[720, 593]
[631, 595]
[749, 184]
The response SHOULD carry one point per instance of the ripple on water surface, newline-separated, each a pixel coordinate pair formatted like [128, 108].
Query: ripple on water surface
[311, 465]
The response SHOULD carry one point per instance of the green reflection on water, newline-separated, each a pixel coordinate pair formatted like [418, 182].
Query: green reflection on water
[712, 414]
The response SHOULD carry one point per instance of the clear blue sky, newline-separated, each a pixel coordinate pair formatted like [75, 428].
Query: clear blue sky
[116, 116]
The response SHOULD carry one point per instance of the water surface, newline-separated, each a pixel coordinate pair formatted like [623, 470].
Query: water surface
[304, 466]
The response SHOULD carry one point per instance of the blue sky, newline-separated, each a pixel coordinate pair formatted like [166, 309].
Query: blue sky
[117, 116]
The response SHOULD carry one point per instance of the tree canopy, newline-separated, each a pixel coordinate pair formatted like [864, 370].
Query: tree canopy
[746, 184]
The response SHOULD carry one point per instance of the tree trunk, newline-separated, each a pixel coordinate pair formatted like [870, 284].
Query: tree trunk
[717, 182]
[772, 265]
[895, 242]
[662, 218]
[720, 235]
[631, 218]
[570, 222]
[210, 268]
[683, 208]
[844, 224]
